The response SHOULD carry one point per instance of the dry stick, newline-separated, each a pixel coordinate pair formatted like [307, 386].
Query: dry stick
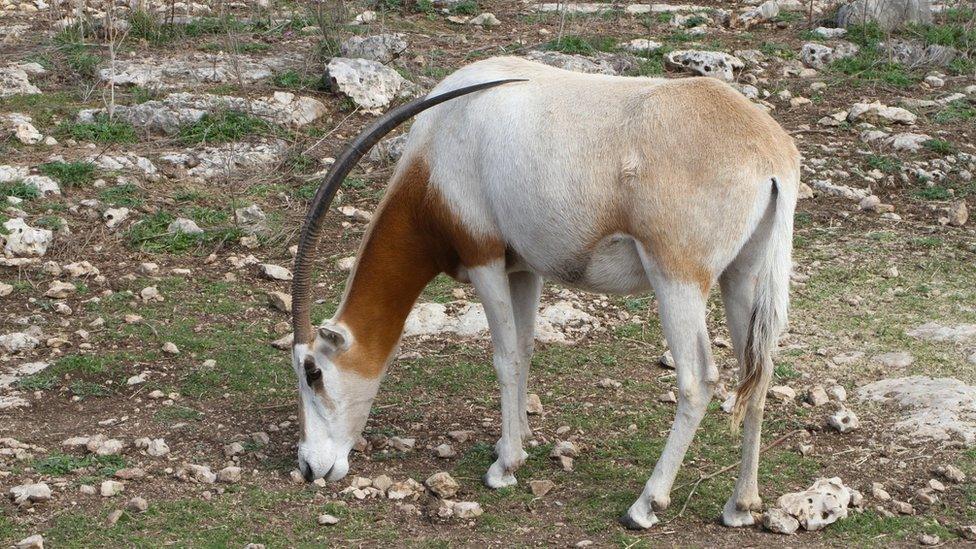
[727, 468]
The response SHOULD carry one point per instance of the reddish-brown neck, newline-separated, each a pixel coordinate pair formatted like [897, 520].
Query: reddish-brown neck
[412, 238]
[395, 263]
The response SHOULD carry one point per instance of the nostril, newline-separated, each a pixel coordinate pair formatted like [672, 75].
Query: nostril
[311, 376]
[306, 472]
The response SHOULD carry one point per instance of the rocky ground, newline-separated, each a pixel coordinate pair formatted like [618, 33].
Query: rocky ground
[156, 160]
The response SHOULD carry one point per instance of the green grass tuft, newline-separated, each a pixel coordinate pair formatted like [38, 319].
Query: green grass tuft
[19, 189]
[581, 45]
[69, 174]
[224, 127]
[102, 130]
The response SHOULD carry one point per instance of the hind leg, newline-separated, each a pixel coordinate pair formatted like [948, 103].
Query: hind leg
[682, 311]
[491, 283]
[738, 284]
[526, 288]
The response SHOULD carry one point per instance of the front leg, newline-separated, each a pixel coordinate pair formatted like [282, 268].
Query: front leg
[526, 289]
[491, 283]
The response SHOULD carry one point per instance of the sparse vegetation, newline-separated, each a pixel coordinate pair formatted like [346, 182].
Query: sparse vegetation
[69, 174]
[224, 127]
[102, 130]
[228, 383]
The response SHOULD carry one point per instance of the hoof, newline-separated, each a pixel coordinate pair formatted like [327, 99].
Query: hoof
[736, 518]
[632, 523]
[496, 482]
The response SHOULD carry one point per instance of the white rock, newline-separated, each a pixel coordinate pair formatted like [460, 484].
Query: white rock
[24, 240]
[899, 359]
[830, 32]
[783, 393]
[940, 409]
[843, 421]
[30, 493]
[32, 542]
[819, 56]
[18, 341]
[275, 272]
[111, 488]
[878, 113]
[641, 45]
[467, 509]
[229, 474]
[485, 19]
[706, 63]
[911, 142]
[115, 216]
[572, 62]
[934, 331]
[380, 47]
[15, 81]
[157, 448]
[60, 290]
[779, 521]
[822, 504]
[182, 225]
[443, 485]
[327, 520]
[370, 84]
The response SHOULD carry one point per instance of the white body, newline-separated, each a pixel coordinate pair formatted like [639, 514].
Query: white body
[618, 185]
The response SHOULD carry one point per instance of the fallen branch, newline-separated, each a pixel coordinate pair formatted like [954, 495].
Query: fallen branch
[727, 468]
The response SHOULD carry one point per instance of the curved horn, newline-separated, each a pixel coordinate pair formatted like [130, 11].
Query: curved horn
[301, 289]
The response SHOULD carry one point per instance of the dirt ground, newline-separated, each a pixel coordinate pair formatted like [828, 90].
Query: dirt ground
[863, 279]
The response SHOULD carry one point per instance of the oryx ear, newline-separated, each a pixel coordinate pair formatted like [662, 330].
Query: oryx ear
[333, 337]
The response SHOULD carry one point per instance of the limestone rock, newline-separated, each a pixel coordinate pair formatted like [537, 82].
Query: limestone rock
[888, 14]
[878, 113]
[182, 225]
[572, 62]
[23, 240]
[818, 56]
[443, 485]
[843, 421]
[940, 409]
[705, 63]
[370, 84]
[30, 493]
[822, 504]
[779, 521]
[382, 48]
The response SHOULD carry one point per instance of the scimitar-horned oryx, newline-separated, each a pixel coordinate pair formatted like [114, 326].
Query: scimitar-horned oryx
[609, 184]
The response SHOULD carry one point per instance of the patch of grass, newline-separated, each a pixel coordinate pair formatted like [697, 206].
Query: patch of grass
[465, 7]
[122, 195]
[956, 111]
[62, 464]
[177, 414]
[102, 130]
[939, 146]
[887, 164]
[582, 45]
[223, 127]
[788, 17]
[294, 80]
[777, 49]
[19, 189]
[151, 234]
[871, 65]
[84, 389]
[874, 529]
[69, 174]
[242, 47]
